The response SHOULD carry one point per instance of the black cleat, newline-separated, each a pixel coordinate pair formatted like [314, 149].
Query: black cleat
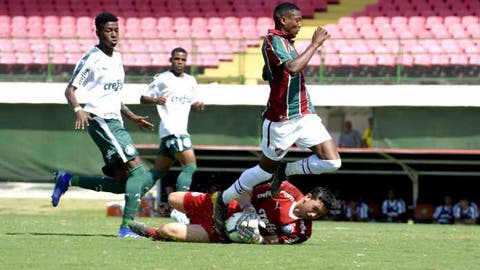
[219, 214]
[277, 179]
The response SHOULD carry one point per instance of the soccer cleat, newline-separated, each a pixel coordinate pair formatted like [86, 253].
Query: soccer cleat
[125, 232]
[62, 182]
[219, 214]
[142, 229]
[278, 178]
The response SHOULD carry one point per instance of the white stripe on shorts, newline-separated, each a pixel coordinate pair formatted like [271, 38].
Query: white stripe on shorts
[117, 145]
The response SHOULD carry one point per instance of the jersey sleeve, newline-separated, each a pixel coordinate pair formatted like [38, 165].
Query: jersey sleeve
[296, 232]
[196, 97]
[155, 86]
[83, 73]
[277, 51]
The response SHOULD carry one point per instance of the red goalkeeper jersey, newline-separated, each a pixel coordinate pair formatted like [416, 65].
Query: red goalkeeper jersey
[277, 213]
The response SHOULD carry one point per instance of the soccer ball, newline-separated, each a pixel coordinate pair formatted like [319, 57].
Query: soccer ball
[231, 227]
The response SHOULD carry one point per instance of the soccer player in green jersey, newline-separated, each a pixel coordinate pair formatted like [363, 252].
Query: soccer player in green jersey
[100, 73]
[174, 93]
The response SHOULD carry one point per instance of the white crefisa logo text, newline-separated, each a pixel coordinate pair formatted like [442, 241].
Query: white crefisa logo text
[115, 86]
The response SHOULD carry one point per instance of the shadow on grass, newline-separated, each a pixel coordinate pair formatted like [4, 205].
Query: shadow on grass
[62, 234]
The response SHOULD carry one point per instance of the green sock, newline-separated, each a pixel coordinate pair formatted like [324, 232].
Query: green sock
[74, 181]
[184, 179]
[139, 182]
[156, 174]
[98, 183]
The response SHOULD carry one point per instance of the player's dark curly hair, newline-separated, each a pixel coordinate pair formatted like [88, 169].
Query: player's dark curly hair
[282, 10]
[325, 196]
[104, 18]
[178, 49]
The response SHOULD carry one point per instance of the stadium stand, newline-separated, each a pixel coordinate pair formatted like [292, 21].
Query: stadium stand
[426, 37]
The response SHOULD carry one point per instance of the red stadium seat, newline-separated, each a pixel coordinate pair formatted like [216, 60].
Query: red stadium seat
[381, 21]
[440, 59]
[474, 59]
[332, 60]
[423, 213]
[367, 60]
[406, 59]
[422, 59]
[458, 59]
[7, 58]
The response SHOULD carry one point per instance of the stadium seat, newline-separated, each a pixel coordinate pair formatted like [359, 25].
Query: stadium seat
[474, 59]
[440, 59]
[367, 60]
[458, 59]
[423, 213]
[7, 58]
[331, 60]
[381, 21]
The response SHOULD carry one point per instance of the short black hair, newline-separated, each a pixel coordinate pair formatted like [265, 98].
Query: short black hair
[104, 18]
[282, 10]
[325, 196]
[178, 49]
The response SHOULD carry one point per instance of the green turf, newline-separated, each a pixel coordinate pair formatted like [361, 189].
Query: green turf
[77, 235]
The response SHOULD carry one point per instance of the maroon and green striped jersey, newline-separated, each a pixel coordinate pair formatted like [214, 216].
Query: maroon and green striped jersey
[288, 95]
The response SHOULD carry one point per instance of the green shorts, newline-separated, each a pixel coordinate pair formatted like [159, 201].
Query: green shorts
[113, 140]
[172, 144]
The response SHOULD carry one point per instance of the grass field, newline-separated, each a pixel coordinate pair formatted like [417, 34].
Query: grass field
[77, 235]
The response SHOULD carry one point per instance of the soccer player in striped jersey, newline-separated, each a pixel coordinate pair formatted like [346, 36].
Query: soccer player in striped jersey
[100, 73]
[465, 212]
[287, 217]
[174, 92]
[444, 213]
[289, 117]
[356, 211]
[393, 208]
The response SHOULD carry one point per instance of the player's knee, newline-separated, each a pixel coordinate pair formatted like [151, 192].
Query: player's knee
[168, 231]
[175, 198]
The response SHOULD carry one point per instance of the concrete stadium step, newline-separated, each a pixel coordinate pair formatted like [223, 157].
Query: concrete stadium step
[249, 65]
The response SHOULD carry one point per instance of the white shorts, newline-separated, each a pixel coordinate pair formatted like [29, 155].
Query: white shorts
[305, 132]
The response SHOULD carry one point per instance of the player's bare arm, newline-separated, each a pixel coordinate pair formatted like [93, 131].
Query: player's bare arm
[153, 100]
[81, 117]
[296, 65]
[140, 121]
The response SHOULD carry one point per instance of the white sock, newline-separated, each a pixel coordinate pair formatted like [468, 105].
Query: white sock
[312, 165]
[179, 217]
[245, 183]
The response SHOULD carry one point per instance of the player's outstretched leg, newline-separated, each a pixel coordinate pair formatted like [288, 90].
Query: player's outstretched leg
[62, 182]
[219, 213]
[278, 177]
[142, 229]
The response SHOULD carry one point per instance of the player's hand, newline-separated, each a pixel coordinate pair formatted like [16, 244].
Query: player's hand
[249, 224]
[319, 36]
[251, 236]
[161, 100]
[142, 122]
[199, 106]
[81, 120]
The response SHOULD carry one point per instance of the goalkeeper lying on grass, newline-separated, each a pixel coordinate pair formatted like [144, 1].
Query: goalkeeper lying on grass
[285, 219]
